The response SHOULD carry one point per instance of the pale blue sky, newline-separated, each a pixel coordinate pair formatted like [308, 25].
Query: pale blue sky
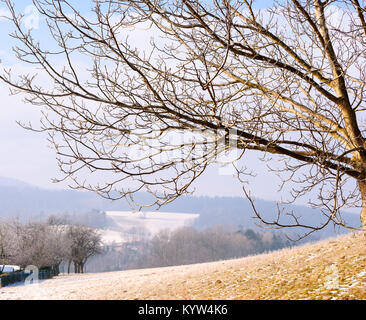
[26, 155]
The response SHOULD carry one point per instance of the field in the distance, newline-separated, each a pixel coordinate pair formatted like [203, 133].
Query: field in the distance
[330, 269]
[151, 222]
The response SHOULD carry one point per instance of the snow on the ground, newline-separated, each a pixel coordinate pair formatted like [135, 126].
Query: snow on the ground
[144, 222]
[335, 271]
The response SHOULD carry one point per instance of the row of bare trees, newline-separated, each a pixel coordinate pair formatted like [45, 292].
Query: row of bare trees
[189, 246]
[47, 244]
[186, 246]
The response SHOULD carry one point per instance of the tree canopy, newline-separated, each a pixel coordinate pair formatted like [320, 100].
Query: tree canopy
[288, 81]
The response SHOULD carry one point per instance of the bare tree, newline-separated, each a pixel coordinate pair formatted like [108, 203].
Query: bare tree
[85, 243]
[31, 245]
[136, 234]
[47, 244]
[288, 81]
[58, 245]
[37, 243]
[6, 245]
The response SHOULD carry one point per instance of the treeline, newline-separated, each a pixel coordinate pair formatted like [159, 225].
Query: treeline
[47, 245]
[93, 218]
[186, 246]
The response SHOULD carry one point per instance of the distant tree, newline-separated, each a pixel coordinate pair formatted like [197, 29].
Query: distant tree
[93, 218]
[85, 243]
[251, 235]
[158, 251]
[40, 244]
[57, 220]
[136, 234]
[6, 244]
[268, 239]
[58, 245]
[31, 246]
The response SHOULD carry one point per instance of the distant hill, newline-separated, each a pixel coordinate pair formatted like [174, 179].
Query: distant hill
[23, 200]
[10, 182]
[238, 212]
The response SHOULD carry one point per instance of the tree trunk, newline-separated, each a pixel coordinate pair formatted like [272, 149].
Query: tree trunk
[75, 267]
[362, 186]
[68, 267]
[56, 269]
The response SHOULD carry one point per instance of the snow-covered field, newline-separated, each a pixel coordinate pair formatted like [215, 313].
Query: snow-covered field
[130, 224]
[331, 269]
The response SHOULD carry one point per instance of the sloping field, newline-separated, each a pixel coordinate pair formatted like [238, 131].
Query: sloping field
[331, 269]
